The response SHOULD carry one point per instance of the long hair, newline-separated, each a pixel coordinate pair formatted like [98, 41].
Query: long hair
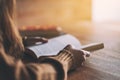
[12, 41]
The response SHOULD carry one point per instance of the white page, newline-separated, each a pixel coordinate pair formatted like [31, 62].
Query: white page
[54, 45]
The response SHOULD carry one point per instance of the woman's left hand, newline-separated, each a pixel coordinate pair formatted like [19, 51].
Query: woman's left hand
[28, 41]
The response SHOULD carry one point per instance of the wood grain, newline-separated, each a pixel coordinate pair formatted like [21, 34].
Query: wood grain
[103, 64]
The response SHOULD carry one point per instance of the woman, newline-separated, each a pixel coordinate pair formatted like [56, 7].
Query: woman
[12, 52]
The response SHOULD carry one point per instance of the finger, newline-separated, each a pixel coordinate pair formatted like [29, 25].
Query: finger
[86, 53]
[36, 39]
[43, 40]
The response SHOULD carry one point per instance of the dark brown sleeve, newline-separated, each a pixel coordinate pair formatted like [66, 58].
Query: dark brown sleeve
[11, 69]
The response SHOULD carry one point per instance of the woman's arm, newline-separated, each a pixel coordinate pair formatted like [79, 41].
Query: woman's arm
[11, 69]
[51, 68]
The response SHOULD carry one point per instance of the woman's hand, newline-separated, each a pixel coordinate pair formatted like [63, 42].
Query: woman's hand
[75, 57]
[28, 41]
[68, 58]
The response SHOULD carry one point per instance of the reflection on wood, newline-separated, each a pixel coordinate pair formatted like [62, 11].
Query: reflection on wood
[103, 64]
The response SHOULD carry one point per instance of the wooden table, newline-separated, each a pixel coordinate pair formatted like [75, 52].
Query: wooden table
[103, 64]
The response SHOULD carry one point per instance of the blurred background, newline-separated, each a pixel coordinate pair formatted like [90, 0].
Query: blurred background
[57, 12]
[67, 11]
[71, 15]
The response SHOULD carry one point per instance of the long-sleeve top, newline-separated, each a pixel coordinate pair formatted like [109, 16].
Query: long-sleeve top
[52, 68]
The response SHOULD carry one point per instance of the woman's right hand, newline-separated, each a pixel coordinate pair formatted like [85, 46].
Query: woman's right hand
[68, 58]
[74, 58]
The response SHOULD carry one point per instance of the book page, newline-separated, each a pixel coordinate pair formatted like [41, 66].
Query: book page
[54, 45]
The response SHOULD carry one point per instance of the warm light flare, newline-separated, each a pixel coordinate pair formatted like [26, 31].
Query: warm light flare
[32, 28]
[59, 12]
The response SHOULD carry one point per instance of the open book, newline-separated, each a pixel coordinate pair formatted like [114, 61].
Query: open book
[54, 45]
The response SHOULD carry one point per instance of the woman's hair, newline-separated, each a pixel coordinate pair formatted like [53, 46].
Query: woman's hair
[12, 41]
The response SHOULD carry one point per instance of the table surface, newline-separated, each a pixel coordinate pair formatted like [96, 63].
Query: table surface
[101, 65]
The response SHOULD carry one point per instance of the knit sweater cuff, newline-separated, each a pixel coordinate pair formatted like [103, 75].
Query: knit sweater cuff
[73, 60]
[66, 57]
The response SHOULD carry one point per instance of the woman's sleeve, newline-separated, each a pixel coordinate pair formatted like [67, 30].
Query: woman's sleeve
[11, 69]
